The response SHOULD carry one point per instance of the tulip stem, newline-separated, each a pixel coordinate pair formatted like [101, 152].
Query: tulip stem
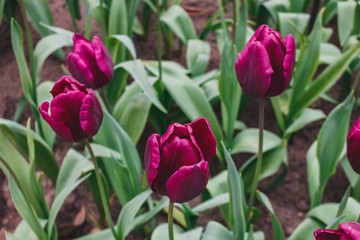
[159, 41]
[259, 160]
[32, 69]
[101, 189]
[170, 220]
[105, 99]
[356, 82]
[103, 24]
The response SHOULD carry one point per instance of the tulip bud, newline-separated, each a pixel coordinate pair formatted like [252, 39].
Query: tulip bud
[90, 63]
[353, 146]
[346, 231]
[177, 162]
[265, 66]
[75, 111]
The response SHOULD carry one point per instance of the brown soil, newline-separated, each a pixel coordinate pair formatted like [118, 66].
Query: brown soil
[290, 199]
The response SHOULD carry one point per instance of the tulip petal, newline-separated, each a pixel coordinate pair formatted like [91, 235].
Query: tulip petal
[204, 137]
[175, 153]
[352, 146]
[289, 59]
[188, 182]
[327, 234]
[91, 114]
[152, 157]
[276, 50]
[351, 230]
[253, 70]
[258, 32]
[58, 127]
[174, 129]
[103, 58]
[78, 37]
[80, 70]
[67, 84]
[66, 108]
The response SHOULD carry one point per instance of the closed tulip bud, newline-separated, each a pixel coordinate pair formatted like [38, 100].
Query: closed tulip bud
[346, 231]
[177, 162]
[265, 66]
[90, 63]
[75, 111]
[353, 146]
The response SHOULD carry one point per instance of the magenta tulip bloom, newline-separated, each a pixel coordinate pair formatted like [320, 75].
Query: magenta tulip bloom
[346, 231]
[177, 162]
[265, 66]
[75, 111]
[353, 146]
[90, 63]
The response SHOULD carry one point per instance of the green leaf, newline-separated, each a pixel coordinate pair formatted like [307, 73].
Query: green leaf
[216, 201]
[229, 90]
[277, 228]
[103, 235]
[47, 46]
[237, 197]
[216, 231]
[325, 80]
[306, 66]
[190, 97]
[61, 31]
[145, 217]
[39, 11]
[72, 168]
[44, 158]
[218, 185]
[352, 176]
[44, 95]
[134, 116]
[287, 21]
[161, 232]
[113, 136]
[137, 71]
[126, 41]
[59, 200]
[118, 17]
[128, 213]
[307, 116]
[305, 230]
[345, 20]
[248, 141]
[197, 56]
[313, 173]
[25, 210]
[269, 11]
[179, 22]
[271, 163]
[18, 48]
[329, 53]
[321, 216]
[332, 137]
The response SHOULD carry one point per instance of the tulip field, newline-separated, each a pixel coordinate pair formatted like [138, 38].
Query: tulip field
[180, 119]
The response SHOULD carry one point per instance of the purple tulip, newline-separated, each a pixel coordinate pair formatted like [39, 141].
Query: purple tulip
[346, 231]
[177, 162]
[353, 146]
[90, 63]
[75, 111]
[266, 64]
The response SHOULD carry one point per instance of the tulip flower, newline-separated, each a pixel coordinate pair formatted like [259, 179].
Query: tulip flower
[90, 63]
[265, 66]
[75, 111]
[353, 146]
[346, 231]
[177, 162]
